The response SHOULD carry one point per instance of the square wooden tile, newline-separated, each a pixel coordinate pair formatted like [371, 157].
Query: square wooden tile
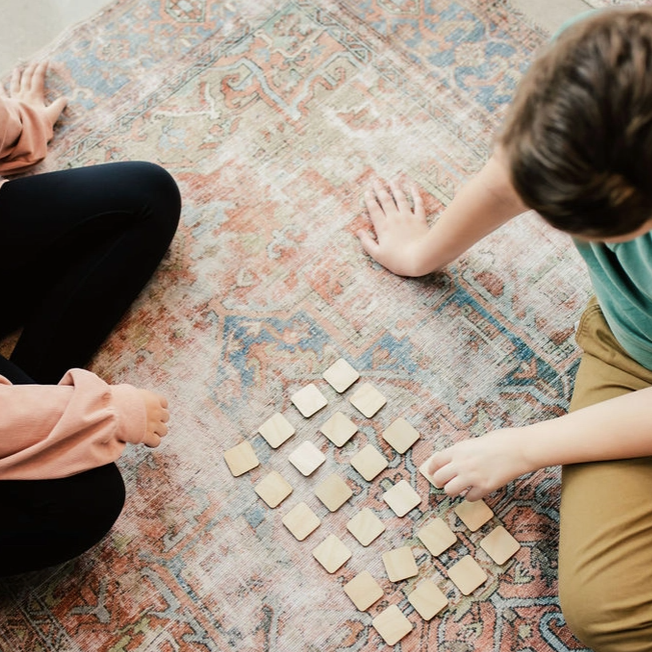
[341, 375]
[400, 564]
[301, 521]
[428, 599]
[276, 430]
[425, 474]
[402, 498]
[500, 545]
[369, 462]
[437, 536]
[331, 553]
[363, 590]
[241, 458]
[307, 458]
[400, 435]
[474, 514]
[467, 575]
[365, 526]
[339, 429]
[309, 400]
[273, 489]
[368, 400]
[333, 492]
[392, 625]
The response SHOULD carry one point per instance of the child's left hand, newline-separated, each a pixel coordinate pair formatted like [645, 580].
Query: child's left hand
[476, 467]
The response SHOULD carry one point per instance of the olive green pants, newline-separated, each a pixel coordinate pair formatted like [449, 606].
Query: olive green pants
[605, 548]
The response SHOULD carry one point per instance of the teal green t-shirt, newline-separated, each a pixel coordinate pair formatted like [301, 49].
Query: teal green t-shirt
[621, 275]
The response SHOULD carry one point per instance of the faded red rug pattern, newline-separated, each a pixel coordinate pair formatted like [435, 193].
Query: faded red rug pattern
[275, 117]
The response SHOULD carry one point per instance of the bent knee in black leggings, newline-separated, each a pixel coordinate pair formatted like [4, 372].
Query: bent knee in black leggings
[48, 522]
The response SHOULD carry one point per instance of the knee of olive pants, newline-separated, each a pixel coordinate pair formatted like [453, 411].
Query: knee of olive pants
[605, 547]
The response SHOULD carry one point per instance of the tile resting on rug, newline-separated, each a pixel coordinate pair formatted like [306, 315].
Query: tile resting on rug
[341, 375]
[392, 625]
[241, 458]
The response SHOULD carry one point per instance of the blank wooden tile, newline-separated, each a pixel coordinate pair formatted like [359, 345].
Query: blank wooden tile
[400, 435]
[437, 536]
[402, 498]
[423, 472]
[467, 575]
[241, 458]
[369, 462]
[339, 429]
[301, 521]
[368, 400]
[276, 430]
[400, 564]
[273, 489]
[428, 599]
[331, 553]
[363, 590]
[365, 526]
[474, 514]
[392, 625]
[500, 545]
[307, 457]
[309, 400]
[341, 375]
[333, 492]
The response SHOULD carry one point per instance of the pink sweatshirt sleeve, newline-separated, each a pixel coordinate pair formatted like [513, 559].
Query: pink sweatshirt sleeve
[54, 431]
[24, 135]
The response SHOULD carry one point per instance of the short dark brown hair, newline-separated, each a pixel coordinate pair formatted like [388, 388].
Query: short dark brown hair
[578, 136]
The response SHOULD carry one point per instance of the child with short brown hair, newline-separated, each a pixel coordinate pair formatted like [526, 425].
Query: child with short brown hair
[577, 148]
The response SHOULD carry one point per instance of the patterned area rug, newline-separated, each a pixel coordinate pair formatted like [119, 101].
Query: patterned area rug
[274, 117]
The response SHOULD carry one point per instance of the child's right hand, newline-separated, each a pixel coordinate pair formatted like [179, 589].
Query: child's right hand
[157, 417]
[399, 231]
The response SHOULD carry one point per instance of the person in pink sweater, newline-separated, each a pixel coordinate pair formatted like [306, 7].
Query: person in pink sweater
[78, 246]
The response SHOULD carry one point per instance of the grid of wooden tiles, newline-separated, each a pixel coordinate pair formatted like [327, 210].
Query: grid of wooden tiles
[427, 598]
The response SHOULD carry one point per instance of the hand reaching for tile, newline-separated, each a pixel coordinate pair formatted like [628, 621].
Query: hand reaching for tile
[480, 465]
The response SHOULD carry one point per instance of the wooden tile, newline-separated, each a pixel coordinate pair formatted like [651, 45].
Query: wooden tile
[341, 375]
[400, 435]
[333, 492]
[500, 545]
[301, 521]
[392, 625]
[276, 430]
[369, 462]
[309, 400]
[339, 429]
[307, 458]
[400, 564]
[437, 536]
[331, 553]
[428, 599]
[474, 514]
[363, 590]
[467, 575]
[422, 470]
[365, 526]
[368, 400]
[273, 489]
[402, 498]
[241, 458]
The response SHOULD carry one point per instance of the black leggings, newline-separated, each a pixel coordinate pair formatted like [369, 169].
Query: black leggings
[77, 247]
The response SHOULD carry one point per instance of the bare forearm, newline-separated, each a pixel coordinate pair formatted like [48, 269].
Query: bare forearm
[616, 429]
[480, 207]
